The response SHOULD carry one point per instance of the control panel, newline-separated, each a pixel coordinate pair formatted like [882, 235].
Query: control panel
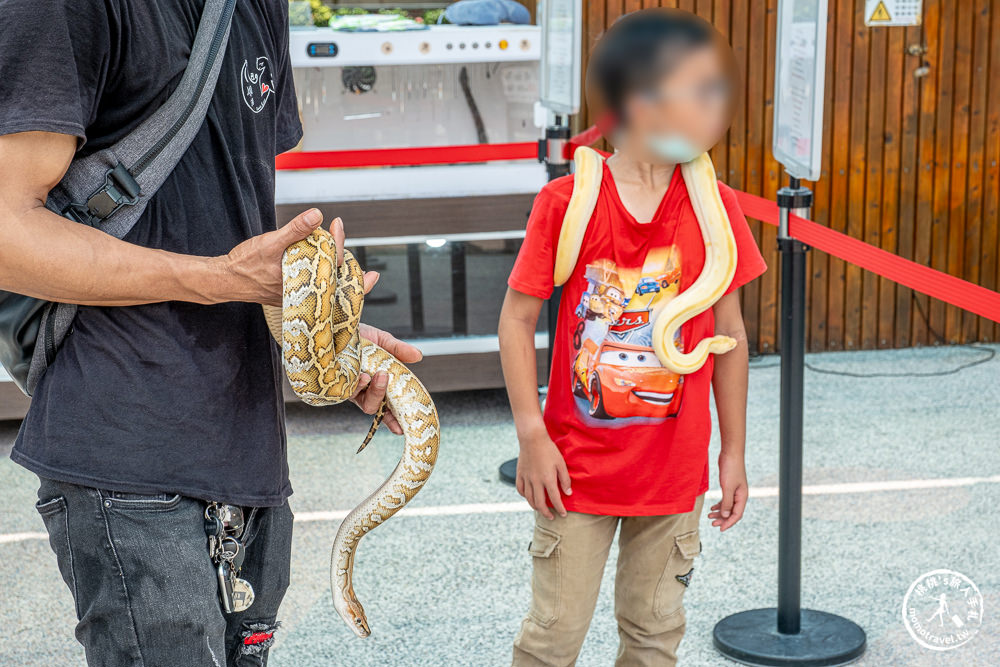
[439, 44]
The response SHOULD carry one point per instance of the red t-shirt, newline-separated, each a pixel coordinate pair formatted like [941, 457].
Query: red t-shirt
[634, 435]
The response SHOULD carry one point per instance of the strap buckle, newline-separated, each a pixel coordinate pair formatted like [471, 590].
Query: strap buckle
[119, 189]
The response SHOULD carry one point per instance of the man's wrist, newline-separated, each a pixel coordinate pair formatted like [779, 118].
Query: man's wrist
[206, 280]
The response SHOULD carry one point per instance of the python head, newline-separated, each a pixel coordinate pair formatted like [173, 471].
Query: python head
[353, 613]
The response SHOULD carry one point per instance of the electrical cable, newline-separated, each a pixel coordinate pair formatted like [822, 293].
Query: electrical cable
[990, 354]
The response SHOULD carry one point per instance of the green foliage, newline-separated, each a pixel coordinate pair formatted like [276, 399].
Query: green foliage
[322, 13]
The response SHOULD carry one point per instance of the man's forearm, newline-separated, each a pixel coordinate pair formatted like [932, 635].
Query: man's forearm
[46, 256]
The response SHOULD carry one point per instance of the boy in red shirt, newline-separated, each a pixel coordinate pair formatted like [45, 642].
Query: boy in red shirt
[624, 441]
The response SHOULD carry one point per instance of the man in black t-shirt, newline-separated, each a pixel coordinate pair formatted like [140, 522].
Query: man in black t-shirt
[166, 394]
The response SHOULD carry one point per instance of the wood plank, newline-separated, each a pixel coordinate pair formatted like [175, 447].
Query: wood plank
[907, 197]
[959, 155]
[925, 176]
[989, 263]
[941, 198]
[838, 177]
[817, 262]
[403, 217]
[755, 143]
[773, 178]
[720, 153]
[889, 190]
[977, 135]
[856, 175]
[878, 142]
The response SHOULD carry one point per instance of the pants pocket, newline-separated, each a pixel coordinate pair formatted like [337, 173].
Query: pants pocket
[546, 576]
[56, 519]
[669, 598]
[140, 502]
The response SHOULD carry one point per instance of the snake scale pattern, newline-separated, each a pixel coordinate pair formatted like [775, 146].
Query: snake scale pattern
[323, 356]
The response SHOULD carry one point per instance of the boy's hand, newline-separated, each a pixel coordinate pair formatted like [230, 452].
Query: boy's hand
[541, 471]
[733, 479]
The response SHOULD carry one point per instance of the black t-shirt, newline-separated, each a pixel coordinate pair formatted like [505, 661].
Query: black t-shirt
[169, 397]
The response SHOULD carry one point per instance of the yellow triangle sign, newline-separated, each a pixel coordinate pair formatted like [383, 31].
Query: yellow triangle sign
[880, 13]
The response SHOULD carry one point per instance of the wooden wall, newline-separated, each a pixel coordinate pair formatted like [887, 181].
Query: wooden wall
[911, 164]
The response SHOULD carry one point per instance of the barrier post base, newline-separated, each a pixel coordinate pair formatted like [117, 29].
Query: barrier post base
[508, 472]
[752, 638]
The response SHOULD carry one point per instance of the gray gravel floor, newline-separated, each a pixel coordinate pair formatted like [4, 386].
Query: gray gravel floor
[450, 590]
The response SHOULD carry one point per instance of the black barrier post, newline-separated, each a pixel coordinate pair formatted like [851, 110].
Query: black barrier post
[790, 635]
[551, 151]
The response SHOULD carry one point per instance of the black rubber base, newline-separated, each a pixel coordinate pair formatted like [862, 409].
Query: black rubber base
[508, 472]
[752, 637]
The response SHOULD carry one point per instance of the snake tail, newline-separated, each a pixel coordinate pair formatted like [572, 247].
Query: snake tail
[412, 406]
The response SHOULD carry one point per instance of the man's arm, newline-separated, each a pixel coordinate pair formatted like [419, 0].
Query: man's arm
[729, 383]
[47, 256]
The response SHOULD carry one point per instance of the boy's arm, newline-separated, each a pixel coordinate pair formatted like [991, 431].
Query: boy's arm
[729, 383]
[541, 469]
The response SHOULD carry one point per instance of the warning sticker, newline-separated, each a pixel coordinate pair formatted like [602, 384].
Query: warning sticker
[880, 13]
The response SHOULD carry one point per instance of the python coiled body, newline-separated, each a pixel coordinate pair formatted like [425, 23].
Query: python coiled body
[716, 275]
[323, 356]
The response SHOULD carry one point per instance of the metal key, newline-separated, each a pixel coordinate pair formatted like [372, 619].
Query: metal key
[225, 576]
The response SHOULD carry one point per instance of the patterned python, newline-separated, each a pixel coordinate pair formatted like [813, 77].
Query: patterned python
[323, 355]
[716, 274]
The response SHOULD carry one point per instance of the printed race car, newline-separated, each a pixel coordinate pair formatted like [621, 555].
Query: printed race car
[650, 285]
[622, 380]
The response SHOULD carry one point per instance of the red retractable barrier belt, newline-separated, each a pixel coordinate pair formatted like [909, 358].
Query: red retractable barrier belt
[926, 280]
[948, 288]
[406, 157]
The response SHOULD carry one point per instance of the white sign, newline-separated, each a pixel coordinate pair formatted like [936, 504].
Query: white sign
[561, 46]
[800, 67]
[893, 12]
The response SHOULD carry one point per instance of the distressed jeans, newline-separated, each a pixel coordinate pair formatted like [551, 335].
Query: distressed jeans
[145, 590]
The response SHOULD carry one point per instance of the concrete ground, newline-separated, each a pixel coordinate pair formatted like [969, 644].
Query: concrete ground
[902, 478]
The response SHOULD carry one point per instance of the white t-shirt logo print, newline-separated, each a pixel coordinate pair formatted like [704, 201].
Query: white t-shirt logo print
[257, 86]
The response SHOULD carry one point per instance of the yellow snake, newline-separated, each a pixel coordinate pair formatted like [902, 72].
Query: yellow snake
[323, 355]
[716, 275]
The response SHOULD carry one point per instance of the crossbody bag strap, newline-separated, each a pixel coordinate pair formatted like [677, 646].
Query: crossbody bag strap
[109, 189]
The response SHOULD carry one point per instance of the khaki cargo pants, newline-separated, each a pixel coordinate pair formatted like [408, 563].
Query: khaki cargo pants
[655, 561]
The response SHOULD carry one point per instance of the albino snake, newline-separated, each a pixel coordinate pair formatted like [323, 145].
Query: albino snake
[716, 275]
[323, 355]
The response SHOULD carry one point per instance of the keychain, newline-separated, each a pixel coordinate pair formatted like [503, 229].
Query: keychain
[222, 524]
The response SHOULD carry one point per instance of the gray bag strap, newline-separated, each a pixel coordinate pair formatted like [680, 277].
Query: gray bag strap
[109, 189]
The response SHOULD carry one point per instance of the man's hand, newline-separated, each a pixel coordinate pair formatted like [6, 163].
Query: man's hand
[370, 394]
[255, 264]
[541, 471]
[733, 479]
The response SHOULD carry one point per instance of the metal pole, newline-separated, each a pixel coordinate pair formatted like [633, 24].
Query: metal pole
[793, 308]
[551, 151]
[788, 634]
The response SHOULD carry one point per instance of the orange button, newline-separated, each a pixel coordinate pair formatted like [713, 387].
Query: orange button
[503, 45]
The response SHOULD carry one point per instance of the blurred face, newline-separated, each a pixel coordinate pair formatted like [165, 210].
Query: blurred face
[683, 114]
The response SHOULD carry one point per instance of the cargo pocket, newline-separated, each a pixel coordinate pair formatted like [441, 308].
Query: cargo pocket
[546, 577]
[669, 599]
[56, 519]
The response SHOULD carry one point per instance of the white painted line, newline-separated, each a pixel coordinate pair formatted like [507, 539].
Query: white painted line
[22, 537]
[712, 494]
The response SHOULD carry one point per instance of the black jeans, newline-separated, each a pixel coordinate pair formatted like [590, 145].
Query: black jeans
[145, 589]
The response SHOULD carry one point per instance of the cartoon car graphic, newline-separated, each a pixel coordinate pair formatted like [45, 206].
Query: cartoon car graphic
[622, 380]
[649, 284]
